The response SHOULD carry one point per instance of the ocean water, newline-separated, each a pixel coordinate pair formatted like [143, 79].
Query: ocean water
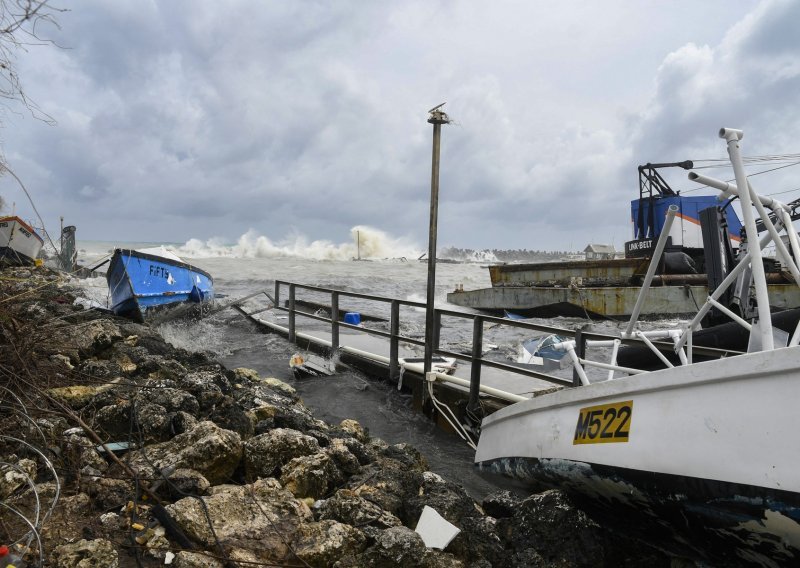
[391, 270]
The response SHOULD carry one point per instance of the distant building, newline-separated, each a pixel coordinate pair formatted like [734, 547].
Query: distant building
[599, 252]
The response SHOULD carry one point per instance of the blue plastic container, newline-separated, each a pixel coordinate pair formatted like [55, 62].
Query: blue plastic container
[353, 318]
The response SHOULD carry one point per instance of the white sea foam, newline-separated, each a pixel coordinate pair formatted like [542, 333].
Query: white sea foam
[367, 242]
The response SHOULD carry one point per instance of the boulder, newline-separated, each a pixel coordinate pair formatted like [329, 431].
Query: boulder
[262, 517]
[173, 400]
[114, 419]
[184, 482]
[541, 521]
[391, 483]
[227, 413]
[99, 553]
[346, 462]
[450, 500]
[299, 418]
[321, 544]
[153, 421]
[310, 476]
[396, 546]
[500, 504]
[206, 448]
[266, 453]
[347, 507]
[355, 429]
[20, 474]
[185, 559]
[92, 337]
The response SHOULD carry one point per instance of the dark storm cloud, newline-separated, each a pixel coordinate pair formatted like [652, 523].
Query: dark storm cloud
[206, 119]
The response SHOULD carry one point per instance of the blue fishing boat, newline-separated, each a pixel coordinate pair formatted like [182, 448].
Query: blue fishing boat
[146, 281]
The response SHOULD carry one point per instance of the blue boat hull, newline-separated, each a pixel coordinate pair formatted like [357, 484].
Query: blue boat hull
[142, 284]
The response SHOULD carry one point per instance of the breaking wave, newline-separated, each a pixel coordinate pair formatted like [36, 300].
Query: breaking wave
[366, 243]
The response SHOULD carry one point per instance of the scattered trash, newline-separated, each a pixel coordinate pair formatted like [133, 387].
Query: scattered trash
[116, 447]
[305, 368]
[353, 318]
[435, 530]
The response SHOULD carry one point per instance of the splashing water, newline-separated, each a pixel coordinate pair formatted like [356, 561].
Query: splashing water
[367, 243]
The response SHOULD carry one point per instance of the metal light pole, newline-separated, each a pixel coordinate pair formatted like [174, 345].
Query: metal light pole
[437, 118]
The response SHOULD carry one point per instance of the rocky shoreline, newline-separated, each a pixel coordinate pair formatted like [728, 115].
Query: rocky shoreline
[118, 449]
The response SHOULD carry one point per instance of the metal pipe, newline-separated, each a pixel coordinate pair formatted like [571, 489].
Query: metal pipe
[780, 248]
[793, 240]
[733, 137]
[614, 351]
[437, 118]
[394, 344]
[610, 366]
[655, 350]
[334, 321]
[731, 314]
[475, 365]
[728, 190]
[724, 285]
[292, 315]
[651, 270]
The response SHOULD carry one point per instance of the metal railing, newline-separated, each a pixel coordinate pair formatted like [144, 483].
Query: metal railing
[479, 322]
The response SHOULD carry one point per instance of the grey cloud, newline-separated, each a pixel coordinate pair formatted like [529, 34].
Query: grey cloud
[215, 118]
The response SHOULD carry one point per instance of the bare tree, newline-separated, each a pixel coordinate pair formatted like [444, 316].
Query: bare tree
[22, 23]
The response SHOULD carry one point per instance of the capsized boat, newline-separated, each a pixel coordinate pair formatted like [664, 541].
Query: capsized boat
[708, 448]
[19, 242]
[145, 281]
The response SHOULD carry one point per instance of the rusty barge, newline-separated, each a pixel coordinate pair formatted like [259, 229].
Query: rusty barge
[704, 243]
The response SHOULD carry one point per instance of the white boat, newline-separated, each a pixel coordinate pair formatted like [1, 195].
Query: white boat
[19, 242]
[708, 449]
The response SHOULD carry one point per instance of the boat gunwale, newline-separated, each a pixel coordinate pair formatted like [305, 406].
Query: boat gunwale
[164, 260]
[633, 384]
[28, 227]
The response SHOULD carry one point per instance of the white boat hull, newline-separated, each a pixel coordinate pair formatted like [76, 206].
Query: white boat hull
[19, 243]
[697, 447]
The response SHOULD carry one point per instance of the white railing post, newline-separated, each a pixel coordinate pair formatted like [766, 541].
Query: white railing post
[651, 270]
[733, 136]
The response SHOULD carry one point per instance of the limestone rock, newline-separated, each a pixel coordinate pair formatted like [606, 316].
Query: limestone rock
[541, 521]
[322, 544]
[98, 553]
[14, 478]
[76, 396]
[345, 460]
[310, 476]
[173, 400]
[450, 500]
[347, 507]
[392, 484]
[92, 337]
[354, 428]
[396, 546]
[262, 517]
[206, 448]
[226, 413]
[185, 482]
[153, 421]
[184, 559]
[500, 504]
[265, 453]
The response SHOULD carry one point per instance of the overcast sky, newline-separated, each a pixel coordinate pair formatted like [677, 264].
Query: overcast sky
[201, 119]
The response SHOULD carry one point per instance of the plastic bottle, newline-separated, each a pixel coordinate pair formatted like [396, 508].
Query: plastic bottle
[10, 558]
